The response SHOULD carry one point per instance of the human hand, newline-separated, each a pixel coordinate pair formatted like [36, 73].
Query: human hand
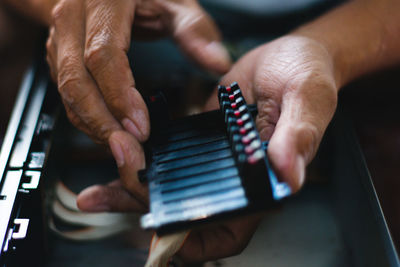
[86, 52]
[125, 194]
[128, 195]
[292, 80]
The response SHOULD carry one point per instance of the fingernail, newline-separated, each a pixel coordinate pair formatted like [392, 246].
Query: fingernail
[142, 121]
[131, 127]
[300, 172]
[88, 200]
[117, 152]
[140, 128]
[220, 52]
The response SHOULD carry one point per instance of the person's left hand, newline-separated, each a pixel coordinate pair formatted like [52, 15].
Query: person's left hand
[202, 244]
[125, 194]
[293, 83]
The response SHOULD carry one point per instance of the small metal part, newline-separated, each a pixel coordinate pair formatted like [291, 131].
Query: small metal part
[236, 138]
[239, 148]
[246, 117]
[221, 89]
[256, 144]
[36, 160]
[34, 177]
[237, 93]
[248, 126]
[249, 137]
[243, 109]
[229, 113]
[240, 101]
[225, 105]
[234, 86]
[257, 155]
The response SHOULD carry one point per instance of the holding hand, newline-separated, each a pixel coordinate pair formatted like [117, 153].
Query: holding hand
[87, 53]
[291, 79]
[293, 83]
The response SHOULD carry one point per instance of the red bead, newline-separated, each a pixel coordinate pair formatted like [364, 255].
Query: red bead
[239, 122]
[246, 140]
[231, 97]
[152, 98]
[252, 160]
[242, 131]
[237, 113]
[228, 89]
[248, 150]
[234, 105]
[258, 155]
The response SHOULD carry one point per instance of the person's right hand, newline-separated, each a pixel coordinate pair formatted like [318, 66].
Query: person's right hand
[87, 54]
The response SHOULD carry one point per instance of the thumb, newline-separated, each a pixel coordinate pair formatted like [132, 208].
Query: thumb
[129, 155]
[102, 198]
[289, 150]
[297, 136]
[197, 35]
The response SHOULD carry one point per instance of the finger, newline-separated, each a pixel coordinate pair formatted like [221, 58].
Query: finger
[103, 198]
[147, 24]
[108, 34]
[75, 85]
[79, 124]
[304, 117]
[205, 244]
[196, 34]
[51, 55]
[242, 73]
[129, 156]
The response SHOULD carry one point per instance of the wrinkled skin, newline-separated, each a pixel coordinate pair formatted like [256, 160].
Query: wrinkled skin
[291, 79]
[87, 54]
[294, 81]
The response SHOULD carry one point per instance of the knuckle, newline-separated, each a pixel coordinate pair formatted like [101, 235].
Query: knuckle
[70, 72]
[96, 56]
[58, 12]
[48, 44]
[69, 89]
[309, 137]
[48, 59]
[100, 128]
[114, 99]
[73, 118]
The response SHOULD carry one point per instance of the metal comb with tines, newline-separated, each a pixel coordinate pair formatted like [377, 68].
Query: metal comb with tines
[207, 166]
